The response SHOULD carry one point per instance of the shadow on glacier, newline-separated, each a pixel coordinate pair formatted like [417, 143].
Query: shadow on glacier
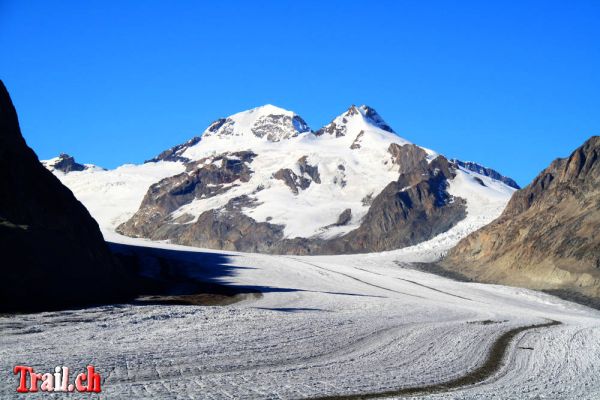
[166, 276]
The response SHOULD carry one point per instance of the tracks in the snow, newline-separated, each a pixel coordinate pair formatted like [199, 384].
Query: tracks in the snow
[491, 365]
[355, 278]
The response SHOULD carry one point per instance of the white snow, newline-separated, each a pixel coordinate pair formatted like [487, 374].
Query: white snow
[348, 176]
[113, 196]
[326, 325]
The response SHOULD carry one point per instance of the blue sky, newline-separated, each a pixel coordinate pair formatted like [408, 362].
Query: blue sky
[512, 85]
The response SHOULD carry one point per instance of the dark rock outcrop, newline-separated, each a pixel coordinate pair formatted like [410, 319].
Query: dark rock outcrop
[411, 210]
[175, 153]
[480, 169]
[337, 130]
[344, 217]
[66, 164]
[356, 142]
[338, 127]
[291, 180]
[408, 157]
[204, 178]
[310, 170]
[274, 127]
[53, 254]
[299, 182]
[547, 237]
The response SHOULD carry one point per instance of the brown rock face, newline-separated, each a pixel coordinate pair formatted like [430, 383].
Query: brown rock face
[548, 236]
[291, 180]
[53, 254]
[412, 209]
[409, 157]
[204, 178]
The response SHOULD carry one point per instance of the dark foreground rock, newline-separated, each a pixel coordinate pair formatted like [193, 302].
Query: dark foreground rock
[548, 236]
[52, 252]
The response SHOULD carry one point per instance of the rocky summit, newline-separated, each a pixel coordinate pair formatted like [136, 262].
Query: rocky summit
[547, 237]
[263, 181]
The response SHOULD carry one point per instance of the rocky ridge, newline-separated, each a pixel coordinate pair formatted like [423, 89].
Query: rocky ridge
[262, 181]
[547, 237]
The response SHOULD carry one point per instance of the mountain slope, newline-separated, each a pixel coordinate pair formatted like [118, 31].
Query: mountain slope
[53, 253]
[547, 237]
[262, 181]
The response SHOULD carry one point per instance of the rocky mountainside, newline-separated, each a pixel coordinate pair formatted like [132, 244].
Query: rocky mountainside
[263, 181]
[65, 163]
[547, 237]
[53, 253]
[480, 169]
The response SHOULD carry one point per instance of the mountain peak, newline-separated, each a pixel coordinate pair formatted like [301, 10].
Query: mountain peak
[367, 114]
[268, 121]
[374, 118]
[64, 163]
[270, 109]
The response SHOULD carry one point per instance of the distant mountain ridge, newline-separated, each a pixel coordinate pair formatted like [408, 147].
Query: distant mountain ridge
[65, 163]
[480, 169]
[263, 181]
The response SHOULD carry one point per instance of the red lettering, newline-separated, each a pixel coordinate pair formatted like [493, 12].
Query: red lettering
[94, 380]
[23, 370]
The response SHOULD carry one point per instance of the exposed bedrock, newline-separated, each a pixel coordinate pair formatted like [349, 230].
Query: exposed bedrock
[547, 237]
[414, 208]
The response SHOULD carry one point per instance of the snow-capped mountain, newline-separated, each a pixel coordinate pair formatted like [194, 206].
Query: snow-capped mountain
[262, 180]
[481, 170]
[66, 163]
[269, 122]
[344, 123]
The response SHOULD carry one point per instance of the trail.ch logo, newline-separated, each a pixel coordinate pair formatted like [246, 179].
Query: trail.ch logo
[58, 381]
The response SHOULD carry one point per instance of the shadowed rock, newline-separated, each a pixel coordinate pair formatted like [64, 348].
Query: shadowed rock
[310, 170]
[291, 180]
[66, 164]
[480, 169]
[175, 153]
[413, 209]
[53, 254]
[344, 217]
